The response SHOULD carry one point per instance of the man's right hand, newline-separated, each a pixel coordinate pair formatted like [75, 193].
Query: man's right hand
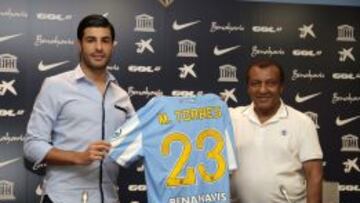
[96, 151]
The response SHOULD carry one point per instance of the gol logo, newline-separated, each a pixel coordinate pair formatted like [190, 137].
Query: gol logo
[144, 69]
[269, 29]
[137, 188]
[11, 112]
[52, 16]
[345, 76]
[185, 93]
[303, 52]
[349, 188]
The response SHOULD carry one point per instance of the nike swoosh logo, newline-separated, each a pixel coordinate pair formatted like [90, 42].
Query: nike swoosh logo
[5, 163]
[219, 52]
[9, 37]
[341, 122]
[178, 27]
[301, 99]
[46, 67]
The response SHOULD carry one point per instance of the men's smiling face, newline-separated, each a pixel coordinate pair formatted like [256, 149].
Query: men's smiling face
[265, 88]
[96, 47]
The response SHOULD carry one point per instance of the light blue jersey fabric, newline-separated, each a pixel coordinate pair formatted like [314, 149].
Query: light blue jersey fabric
[187, 146]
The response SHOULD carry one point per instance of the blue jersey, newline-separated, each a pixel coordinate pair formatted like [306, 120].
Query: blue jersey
[187, 145]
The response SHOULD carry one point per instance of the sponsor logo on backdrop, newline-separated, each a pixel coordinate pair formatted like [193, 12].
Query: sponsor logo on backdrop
[13, 14]
[46, 67]
[39, 191]
[296, 74]
[346, 76]
[187, 48]
[351, 165]
[185, 70]
[8, 37]
[7, 190]
[143, 69]
[140, 168]
[39, 166]
[345, 33]
[306, 30]
[346, 98]
[56, 41]
[7, 139]
[314, 117]
[8, 63]
[11, 112]
[306, 52]
[255, 51]
[137, 188]
[345, 54]
[215, 27]
[266, 29]
[343, 121]
[113, 67]
[7, 87]
[53, 16]
[8, 162]
[166, 3]
[144, 45]
[144, 23]
[146, 92]
[350, 143]
[349, 188]
[228, 94]
[186, 93]
[301, 99]
[177, 27]
[227, 73]
[222, 51]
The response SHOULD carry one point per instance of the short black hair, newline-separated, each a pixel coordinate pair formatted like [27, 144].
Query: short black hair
[94, 20]
[264, 63]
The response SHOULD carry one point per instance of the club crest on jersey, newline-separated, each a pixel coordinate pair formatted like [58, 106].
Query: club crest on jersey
[117, 134]
[163, 119]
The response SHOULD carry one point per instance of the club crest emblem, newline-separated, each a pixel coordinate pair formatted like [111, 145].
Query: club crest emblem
[166, 3]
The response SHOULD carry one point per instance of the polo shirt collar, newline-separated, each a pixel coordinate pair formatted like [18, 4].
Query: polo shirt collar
[281, 113]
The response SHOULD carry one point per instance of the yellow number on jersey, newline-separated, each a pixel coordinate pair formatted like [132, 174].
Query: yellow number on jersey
[173, 180]
[214, 154]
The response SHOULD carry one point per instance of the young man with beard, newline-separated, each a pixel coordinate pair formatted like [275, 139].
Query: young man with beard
[74, 115]
[280, 159]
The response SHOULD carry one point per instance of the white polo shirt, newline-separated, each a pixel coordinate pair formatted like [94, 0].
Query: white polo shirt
[271, 154]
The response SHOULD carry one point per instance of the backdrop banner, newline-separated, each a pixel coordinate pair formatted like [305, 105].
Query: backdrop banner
[185, 48]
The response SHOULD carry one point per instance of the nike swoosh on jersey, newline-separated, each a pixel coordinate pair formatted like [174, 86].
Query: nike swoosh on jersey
[178, 27]
[43, 67]
[301, 99]
[5, 163]
[219, 52]
[4, 38]
[341, 122]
